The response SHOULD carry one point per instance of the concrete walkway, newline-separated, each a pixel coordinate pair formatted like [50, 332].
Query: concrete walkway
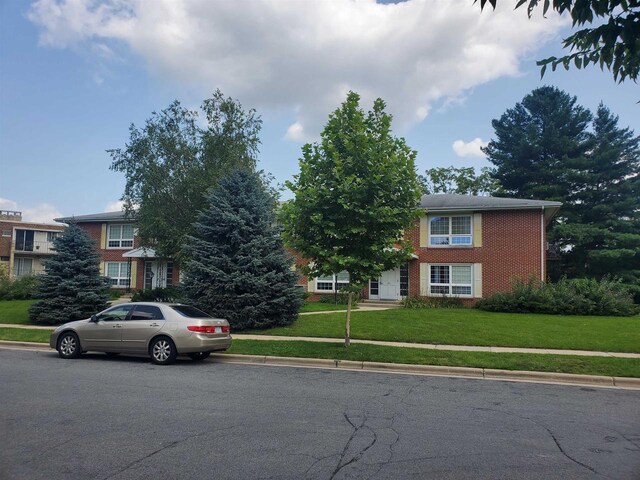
[427, 346]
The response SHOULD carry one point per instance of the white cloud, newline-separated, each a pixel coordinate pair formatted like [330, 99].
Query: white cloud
[469, 149]
[117, 206]
[6, 204]
[304, 56]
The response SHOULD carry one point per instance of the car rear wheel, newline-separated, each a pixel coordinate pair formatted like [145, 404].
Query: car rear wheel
[69, 345]
[199, 356]
[163, 351]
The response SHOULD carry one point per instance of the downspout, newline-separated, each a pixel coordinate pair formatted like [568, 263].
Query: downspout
[542, 246]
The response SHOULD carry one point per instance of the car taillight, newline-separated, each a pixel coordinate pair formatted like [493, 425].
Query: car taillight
[209, 329]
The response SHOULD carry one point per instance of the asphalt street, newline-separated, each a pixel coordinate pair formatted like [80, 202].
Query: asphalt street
[124, 418]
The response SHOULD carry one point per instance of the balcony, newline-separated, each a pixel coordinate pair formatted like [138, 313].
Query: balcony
[44, 248]
[22, 271]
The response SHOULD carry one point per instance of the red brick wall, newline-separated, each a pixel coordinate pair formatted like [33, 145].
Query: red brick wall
[511, 248]
[5, 242]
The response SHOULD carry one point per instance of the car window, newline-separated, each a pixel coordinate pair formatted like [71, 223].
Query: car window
[191, 312]
[146, 312]
[115, 314]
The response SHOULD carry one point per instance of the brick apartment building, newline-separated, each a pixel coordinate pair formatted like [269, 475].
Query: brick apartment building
[23, 245]
[465, 246]
[127, 265]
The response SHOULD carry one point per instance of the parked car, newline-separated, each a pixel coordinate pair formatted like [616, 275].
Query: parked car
[161, 330]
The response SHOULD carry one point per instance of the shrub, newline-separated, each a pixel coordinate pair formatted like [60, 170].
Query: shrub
[582, 296]
[21, 288]
[168, 294]
[341, 298]
[432, 302]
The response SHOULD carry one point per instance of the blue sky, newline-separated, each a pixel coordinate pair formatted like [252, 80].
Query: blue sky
[74, 76]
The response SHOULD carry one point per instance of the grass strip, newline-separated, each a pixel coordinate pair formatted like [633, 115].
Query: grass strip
[466, 326]
[15, 311]
[25, 335]
[620, 367]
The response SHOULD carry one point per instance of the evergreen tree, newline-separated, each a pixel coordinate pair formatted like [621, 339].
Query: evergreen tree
[236, 265]
[72, 288]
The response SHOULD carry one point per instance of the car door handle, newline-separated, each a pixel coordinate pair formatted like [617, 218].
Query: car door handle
[117, 325]
[154, 325]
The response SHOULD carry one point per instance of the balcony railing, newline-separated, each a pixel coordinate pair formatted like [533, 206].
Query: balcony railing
[21, 272]
[35, 247]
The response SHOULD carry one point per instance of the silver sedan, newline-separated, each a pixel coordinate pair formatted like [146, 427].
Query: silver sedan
[161, 330]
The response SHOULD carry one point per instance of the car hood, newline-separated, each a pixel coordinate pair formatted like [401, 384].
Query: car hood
[77, 323]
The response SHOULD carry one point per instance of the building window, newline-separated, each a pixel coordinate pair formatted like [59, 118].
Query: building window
[4, 259]
[24, 240]
[331, 283]
[169, 274]
[51, 236]
[22, 267]
[374, 287]
[454, 230]
[118, 274]
[404, 280]
[6, 233]
[450, 280]
[120, 236]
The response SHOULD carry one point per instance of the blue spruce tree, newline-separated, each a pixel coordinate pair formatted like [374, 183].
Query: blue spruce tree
[237, 267]
[72, 288]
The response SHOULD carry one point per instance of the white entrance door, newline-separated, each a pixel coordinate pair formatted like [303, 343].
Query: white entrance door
[389, 285]
[155, 275]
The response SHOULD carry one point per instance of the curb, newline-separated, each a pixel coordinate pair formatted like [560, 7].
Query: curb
[429, 370]
[437, 370]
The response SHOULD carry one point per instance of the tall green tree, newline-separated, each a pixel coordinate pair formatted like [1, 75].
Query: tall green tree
[356, 194]
[172, 160]
[71, 288]
[236, 266]
[549, 148]
[540, 147]
[613, 43]
[461, 181]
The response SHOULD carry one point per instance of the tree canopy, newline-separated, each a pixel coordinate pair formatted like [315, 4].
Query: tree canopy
[550, 148]
[171, 162]
[613, 43]
[462, 181]
[236, 266]
[356, 193]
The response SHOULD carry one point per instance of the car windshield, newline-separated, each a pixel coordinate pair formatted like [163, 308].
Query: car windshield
[191, 312]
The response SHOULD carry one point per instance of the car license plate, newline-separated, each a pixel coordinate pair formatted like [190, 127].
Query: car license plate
[218, 330]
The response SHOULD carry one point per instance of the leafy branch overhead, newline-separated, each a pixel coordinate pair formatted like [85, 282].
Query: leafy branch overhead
[614, 43]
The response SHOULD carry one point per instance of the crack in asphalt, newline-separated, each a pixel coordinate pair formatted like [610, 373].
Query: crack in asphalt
[140, 460]
[356, 428]
[555, 440]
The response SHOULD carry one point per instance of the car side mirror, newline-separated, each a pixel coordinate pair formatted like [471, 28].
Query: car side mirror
[94, 318]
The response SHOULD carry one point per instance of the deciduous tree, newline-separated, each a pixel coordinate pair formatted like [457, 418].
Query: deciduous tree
[356, 194]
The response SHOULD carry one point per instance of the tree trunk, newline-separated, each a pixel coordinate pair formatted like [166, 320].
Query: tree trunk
[347, 329]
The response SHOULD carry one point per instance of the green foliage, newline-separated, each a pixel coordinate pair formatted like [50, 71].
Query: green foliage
[545, 149]
[171, 162]
[612, 44]
[169, 294]
[72, 288]
[114, 293]
[356, 193]
[341, 298]
[462, 181]
[21, 288]
[431, 302]
[236, 266]
[607, 297]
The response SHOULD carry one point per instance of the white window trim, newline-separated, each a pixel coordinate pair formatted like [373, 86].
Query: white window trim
[119, 279]
[120, 240]
[450, 235]
[450, 284]
[340, 285]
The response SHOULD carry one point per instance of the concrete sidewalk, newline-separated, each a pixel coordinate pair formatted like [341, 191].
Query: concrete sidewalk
[427, 346]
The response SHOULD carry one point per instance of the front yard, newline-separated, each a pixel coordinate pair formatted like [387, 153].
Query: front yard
[462, 326]
[15, 311]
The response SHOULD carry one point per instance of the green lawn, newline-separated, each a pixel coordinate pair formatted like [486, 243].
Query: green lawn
[15, 311]
[322, 307]
[463, 326]
[619, 367]
[25, 335]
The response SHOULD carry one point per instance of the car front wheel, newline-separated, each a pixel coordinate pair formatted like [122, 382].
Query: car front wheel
[69, 345]
[162, 351]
